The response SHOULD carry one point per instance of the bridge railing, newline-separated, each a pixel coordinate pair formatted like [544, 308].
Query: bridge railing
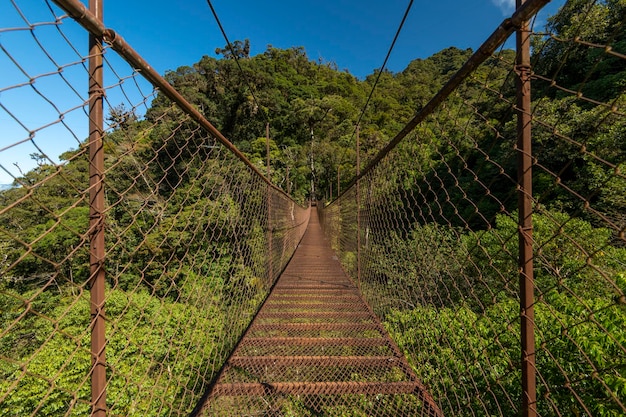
[500, 270]
[131, 265]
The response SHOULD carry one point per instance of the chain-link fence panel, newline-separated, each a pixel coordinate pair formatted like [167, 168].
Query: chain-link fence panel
[194, 236]
[444, 222]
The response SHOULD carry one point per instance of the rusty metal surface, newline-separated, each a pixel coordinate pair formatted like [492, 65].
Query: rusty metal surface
[97, 250]
[316, 339]
[525, 223]
[335, 388]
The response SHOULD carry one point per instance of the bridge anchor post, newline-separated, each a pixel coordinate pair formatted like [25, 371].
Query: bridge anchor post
[525, 225]
[96, 219]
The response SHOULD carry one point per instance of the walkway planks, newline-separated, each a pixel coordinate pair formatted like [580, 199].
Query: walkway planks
[315, 348]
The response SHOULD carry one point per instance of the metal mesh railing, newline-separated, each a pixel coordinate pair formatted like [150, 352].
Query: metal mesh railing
[131, 265]
[438, 233]
[194, 236]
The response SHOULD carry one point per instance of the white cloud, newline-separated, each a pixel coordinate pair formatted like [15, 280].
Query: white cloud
[506, 6]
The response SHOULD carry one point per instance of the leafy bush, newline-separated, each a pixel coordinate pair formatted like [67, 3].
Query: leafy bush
[159, 356]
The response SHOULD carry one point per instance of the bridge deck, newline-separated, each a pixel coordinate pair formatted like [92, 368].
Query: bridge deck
[316, 348]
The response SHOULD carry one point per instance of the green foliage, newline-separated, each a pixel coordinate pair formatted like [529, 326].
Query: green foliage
[596, 74]
[571, 255]
[574, 345]
[45, 228]
[139, 362]
[426, 263]
[439, 265]
[452, 347]
[579, 170]
[449, 299]
[186, 263]
[312, 106]
[235, 50]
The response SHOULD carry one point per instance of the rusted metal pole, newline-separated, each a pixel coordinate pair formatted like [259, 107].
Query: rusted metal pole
[267, 149]
[270, 265]
[525, 226]
[96, 219]
[358, 208]
[338, 184]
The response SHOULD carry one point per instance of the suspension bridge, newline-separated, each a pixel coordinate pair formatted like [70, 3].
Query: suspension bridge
[474, 266]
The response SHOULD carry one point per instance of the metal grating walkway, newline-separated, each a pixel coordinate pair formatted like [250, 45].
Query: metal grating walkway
[317, 349]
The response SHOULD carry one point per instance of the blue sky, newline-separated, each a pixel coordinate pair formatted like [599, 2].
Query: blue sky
[355, 34]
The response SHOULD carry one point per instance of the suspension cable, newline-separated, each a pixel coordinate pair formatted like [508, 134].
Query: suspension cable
[236, 58]
[382, 68]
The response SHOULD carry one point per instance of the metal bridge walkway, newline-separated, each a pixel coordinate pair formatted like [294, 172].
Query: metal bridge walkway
[316, 348]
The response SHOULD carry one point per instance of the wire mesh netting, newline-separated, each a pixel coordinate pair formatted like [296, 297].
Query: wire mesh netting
[431, 237]
[436, 248]
[194, 236]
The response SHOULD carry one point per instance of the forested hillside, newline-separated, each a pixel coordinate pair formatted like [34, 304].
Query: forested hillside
[312, 107]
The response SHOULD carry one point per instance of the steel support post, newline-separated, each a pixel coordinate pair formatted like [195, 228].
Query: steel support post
[96, 219]
[270, 266]
[358, 208]
[525, 226]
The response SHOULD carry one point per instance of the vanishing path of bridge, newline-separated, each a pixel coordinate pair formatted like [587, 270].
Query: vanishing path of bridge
[317, 343]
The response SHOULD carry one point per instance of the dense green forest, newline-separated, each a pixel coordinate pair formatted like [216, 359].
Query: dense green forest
[440, 265]
[161, 263]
